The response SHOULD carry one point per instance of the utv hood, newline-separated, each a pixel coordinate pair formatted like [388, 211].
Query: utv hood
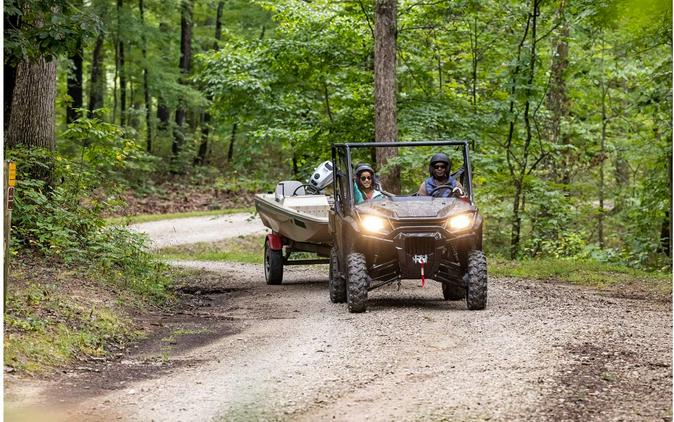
[416, 207]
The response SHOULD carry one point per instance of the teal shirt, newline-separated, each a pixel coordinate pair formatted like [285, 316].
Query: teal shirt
[359, 197]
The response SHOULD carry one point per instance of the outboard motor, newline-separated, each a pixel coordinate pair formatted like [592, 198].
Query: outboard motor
[322, 176]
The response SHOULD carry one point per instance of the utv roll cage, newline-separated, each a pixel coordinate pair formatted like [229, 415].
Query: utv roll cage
[343, 168]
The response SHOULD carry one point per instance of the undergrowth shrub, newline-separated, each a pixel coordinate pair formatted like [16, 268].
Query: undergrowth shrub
[60, 217]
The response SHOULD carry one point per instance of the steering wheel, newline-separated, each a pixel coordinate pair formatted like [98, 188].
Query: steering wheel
[434, 192]
[308, 188]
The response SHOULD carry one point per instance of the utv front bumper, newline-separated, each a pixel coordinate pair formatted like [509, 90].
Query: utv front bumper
[399, 253]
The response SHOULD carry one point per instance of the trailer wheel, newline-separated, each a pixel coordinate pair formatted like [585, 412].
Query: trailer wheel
[357, 282]
[476, 286]
[452, 292]
[337, 283]
[273, 265]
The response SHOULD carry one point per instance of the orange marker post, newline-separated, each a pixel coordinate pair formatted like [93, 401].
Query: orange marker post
[9, 171]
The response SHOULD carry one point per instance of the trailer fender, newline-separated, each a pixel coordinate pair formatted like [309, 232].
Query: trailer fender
[274, 241]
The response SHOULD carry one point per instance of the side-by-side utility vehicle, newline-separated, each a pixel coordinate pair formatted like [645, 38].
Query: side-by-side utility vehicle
[375, 243]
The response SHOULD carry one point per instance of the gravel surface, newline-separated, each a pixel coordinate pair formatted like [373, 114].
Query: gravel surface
[181, 231]
[540, 351]
[245, 351]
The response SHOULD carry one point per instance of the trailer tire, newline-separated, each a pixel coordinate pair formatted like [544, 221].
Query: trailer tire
[337, 283]
[357, 282]
[476, 286]
[273, 265]
[453, 292]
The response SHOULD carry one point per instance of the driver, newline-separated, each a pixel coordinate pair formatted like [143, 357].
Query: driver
[364, 189]
[439, 168]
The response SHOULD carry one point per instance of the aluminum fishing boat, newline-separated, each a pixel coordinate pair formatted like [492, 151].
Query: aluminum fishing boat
[294, 213]
[297, 215]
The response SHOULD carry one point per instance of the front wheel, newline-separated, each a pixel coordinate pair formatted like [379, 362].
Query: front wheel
[476, 286]
[337, 283]
[273, 265]
[357, 282]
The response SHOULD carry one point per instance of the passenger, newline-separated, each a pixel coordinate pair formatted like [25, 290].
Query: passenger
[364, 188]
[439, 169]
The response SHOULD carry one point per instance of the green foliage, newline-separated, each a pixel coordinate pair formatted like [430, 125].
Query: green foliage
[63, 220]
[108, 159]
[46, 28]
[288, 78]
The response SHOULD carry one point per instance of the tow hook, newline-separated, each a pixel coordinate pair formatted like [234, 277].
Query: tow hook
[421, 260]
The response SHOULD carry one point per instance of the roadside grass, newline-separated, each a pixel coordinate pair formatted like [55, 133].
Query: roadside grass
[56, 314]
[146, 218]
[581, 272]
[46, 327]
[248, 249]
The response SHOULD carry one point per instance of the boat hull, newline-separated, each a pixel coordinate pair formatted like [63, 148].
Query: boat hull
[301, 218]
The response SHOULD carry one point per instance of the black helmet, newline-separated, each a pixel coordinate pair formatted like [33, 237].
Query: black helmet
[361, 167]
[439, 158]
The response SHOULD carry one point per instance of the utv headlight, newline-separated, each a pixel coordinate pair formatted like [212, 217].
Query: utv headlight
[460, 222]
[372, 223]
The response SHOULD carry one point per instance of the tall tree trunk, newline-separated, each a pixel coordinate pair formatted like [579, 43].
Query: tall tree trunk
[386, 129]
[473, 63]
[602, 151]
[666, 226]
[200, 159]
[230, 151]
[163, 114]
[146, 85]
[122, 85]
[32, 122]
[185, 62]
[516, 224]
[9, 81]
[97, 80]
[557, 101]
[218, 25]
[33, 119]
[510, 156]
[114, 84]
[203, 147]
[326, 99]
[523, 161]
[666, 234]
[75, 81]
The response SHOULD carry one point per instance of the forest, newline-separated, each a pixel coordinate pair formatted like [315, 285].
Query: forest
[566, 105]
[119, 113]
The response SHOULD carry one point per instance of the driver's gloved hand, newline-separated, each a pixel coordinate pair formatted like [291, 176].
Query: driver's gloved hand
[457, 191]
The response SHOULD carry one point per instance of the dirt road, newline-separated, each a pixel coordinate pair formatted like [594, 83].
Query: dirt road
[243, 350]
[181, 231]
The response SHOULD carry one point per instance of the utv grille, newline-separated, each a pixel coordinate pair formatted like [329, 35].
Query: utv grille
[419, 245]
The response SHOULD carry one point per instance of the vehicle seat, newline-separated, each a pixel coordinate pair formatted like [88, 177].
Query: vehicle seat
[287, 187]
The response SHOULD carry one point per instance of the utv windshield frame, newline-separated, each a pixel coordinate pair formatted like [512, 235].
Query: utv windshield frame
[343, 168]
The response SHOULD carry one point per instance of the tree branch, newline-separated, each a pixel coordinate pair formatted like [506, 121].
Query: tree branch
[367, 17]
